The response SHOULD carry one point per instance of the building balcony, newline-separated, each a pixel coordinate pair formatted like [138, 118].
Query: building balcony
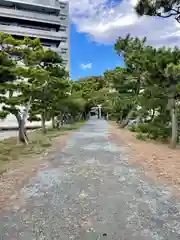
[64, 8]
[31, 16]
[31, 32]
[64, 45]
[47, 6]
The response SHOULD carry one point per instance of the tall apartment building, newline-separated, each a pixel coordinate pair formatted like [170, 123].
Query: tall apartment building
[47, 20]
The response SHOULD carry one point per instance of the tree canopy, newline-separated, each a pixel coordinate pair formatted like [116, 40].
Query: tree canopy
[148, 88]
[34, 84]
[160, 8]
[146, 91]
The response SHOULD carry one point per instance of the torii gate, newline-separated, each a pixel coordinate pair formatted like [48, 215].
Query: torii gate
[96, 110]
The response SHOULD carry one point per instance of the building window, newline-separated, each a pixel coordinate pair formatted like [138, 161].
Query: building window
[64, 39]
[65, 61]
[10, 7]
[63, 5]
[46, 45]
[62, 29]
[37, 10]
[5, 23]
[35, 27]
[62, 17]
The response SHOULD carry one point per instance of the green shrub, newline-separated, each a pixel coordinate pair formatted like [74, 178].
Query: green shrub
[132, 128]
[160, 132]
[143, 127]
[141, 136]
[154, 131]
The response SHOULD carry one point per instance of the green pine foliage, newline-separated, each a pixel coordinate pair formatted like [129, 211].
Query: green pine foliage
[160, 8]
[148, 88]
[34, 85]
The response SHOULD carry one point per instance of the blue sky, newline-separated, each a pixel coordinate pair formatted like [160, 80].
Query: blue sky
[103, 21]
[89, 58]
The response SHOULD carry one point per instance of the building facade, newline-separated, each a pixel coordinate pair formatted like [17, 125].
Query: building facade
[47, 20]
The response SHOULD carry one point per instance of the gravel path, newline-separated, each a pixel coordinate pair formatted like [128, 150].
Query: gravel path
[91, 192]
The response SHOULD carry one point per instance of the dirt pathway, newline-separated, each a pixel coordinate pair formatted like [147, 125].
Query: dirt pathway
[90, 191]
[155, 159]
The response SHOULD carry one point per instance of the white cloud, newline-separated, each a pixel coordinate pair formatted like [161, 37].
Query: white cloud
[105, 20]
[86, 66]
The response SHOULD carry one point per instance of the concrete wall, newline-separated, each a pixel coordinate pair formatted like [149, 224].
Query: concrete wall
[11, 121]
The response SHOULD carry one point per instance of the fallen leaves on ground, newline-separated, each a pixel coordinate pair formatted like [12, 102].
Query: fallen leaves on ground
[157, 160]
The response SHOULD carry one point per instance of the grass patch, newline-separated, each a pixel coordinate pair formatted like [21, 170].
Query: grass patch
[11, 149]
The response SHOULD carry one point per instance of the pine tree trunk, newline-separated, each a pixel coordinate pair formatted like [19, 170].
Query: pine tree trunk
[53, 122]
[23, 138]
[174, 135]
[43, 123]
[22, 135]
[79, 118]
[119, 119]
[22, 132]
[126, 121]
[153, 115]
[58, 121]
[61, 117]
